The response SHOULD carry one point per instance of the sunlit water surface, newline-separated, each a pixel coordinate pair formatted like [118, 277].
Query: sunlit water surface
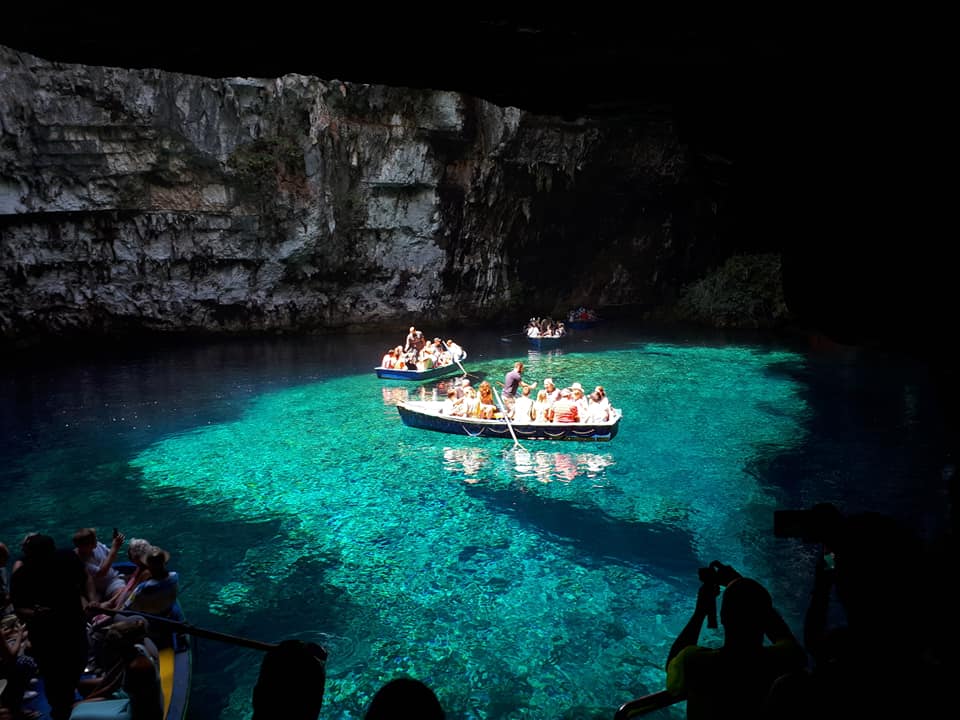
[544, 581]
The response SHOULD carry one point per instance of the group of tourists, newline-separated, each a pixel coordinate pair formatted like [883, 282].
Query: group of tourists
[550, 404]
[544, 328]
[417, 353]
[71, 618]
[569, 404]
[582, 314]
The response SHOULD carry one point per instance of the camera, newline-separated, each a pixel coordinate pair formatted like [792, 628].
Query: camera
[714, 575]
[821, 523]
[709, 575]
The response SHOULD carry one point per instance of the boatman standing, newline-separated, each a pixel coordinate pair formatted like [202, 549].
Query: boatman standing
[512, 382]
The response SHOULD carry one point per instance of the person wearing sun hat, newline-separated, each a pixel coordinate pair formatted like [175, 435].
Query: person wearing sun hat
[553, 392]
[579, 399]
[158, 594]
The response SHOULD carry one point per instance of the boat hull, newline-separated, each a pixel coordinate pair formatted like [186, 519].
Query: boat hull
[436, 372]
[545, 342]
[176, 671]
[425, 416]
[582, 324]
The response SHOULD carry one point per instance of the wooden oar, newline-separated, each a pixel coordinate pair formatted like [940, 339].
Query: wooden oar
[192, 630]
[506, 416]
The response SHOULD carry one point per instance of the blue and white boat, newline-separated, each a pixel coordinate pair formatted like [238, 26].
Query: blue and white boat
[427, 415]
[434, 372]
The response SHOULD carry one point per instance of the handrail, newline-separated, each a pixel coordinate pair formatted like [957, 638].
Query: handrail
[647, 704]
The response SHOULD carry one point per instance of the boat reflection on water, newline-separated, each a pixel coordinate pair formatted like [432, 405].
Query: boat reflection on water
[534, 354]
[394, 395]
[432, 391]
[541, 465]
[468, 461]
[565, 467]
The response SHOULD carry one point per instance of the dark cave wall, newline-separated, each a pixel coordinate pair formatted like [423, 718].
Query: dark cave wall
[139, 199]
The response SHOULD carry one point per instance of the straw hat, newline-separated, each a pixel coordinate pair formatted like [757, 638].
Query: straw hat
[155, 557]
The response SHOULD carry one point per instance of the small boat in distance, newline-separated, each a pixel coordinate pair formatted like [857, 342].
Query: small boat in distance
[434, 372]
[544, 332]
[582, 319]
[426, 415]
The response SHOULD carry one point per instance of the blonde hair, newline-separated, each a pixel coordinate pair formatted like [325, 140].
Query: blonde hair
[137, 548]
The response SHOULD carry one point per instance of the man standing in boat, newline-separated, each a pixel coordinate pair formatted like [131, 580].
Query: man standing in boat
[512, 382]
[415, 340]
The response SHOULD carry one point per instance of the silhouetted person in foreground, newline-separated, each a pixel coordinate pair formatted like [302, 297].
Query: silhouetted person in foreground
[292, 680]
[885, 660]
[50, 592]
[732, 681]
[404, 698]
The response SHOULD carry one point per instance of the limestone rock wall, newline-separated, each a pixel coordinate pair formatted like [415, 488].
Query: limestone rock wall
[140, 199]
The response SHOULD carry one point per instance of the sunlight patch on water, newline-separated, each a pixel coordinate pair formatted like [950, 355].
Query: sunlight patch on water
[549, 577]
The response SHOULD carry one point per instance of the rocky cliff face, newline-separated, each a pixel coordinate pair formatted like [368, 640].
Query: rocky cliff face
[140, 199]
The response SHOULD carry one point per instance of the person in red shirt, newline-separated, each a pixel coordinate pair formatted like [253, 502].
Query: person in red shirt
[565, 409]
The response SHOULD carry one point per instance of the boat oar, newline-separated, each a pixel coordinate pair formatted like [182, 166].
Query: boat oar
[506, 416]
[192, 630]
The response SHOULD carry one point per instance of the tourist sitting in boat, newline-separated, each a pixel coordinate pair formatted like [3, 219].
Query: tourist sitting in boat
[443, 357]
[158, 595]
[108, 645]
[450, 403]
[597, 410]
[565, 409]
[579, 399]
[17, 667]
[461, 386]
[409, 360]
[553, 392]
[128, 660]
[394, 359]
[136, 549]
[471, 402]
[604, 400]
[523, 407]
[98, 559]
[581, 314]
[542, 408]
[486, 408]
[544, 328]
[426, 358]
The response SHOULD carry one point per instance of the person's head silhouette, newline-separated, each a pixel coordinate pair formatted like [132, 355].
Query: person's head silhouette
[291, 683]
[404, 698]
[744, 612]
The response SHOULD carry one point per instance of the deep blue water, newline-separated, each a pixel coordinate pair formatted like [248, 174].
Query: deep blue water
[541, 582]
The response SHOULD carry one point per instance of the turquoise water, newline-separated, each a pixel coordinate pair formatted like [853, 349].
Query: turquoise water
[538, 582]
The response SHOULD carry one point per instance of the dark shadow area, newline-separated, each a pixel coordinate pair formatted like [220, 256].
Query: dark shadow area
[868, 416]
[593, 535]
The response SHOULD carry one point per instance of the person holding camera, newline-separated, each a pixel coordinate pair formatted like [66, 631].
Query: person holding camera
[98, 559]
[735, 679]
[886, 656]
